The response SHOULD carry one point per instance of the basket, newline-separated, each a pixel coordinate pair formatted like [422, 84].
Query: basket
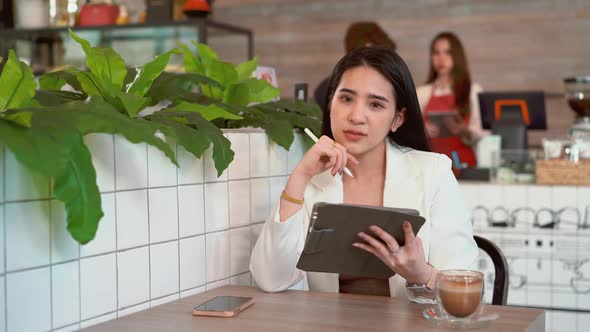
[563, 172]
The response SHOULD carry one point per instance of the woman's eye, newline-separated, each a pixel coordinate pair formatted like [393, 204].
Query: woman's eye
[376, 105]
[346, 99]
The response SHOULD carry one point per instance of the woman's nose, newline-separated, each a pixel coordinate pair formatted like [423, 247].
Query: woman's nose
[357, 113]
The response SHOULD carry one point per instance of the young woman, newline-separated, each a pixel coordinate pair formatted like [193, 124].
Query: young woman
[449, 90]
[373, 125]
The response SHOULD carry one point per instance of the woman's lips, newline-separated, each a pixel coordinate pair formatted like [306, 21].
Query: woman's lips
[353, 135]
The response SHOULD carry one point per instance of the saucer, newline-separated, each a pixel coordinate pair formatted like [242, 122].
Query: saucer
[473, 322]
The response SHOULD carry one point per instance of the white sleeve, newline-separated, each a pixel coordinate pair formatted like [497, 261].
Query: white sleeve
[475, 126]
[277, 251]
[452, 245]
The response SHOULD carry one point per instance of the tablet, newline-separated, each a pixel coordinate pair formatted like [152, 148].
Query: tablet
[334, 227]
[440, 118]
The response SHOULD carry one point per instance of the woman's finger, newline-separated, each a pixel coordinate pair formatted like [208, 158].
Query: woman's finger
[366, 248]
[408, 234]
[379, 246]
[389, 240]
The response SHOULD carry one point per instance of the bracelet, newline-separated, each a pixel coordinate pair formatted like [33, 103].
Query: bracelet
[291, 199]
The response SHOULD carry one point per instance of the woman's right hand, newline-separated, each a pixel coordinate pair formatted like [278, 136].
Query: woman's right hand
[323, 155]
[432, 129]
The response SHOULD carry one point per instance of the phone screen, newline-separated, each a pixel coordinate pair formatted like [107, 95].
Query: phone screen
[223, 303]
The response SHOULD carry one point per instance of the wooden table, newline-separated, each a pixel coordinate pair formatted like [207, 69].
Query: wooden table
[308, 311]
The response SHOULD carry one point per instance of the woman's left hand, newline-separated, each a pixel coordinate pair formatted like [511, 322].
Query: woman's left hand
[408, 260]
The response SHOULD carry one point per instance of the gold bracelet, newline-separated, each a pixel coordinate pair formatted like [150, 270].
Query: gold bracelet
[291, 199]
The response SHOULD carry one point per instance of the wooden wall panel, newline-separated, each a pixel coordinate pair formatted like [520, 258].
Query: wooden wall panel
[510, 44]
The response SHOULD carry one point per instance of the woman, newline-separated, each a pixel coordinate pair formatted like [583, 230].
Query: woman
[372, 125]
[450, 91]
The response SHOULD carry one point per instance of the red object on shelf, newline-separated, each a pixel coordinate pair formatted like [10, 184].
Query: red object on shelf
[192, 6]
[98, 14]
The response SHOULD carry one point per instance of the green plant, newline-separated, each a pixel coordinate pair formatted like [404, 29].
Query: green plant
[44, 127]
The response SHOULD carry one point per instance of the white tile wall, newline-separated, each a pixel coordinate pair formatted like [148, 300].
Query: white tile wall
[27, 235]
[133, 276]
[132, 218]
[210, 171]
[191, 210]
[296, 151]
[27, 290]
[166, 233]
[102, 149]
[20, 184]
[63, 246]
[163, 219]
[2, 149]
[65, 290]
[164, 269]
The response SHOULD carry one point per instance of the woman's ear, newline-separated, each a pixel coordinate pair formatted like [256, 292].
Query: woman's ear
[398, 120]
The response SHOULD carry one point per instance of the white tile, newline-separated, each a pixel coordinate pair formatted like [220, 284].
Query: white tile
[192, 262]
[191, 167]
[296, 151]
[163, 216]
[2, 247]
[98, 320]
[164, 300]
[191, 210]
[102, 149]
[106, 238]
[240, 166]
[241, 280]
[22, 184]
[278, 163]
[133, 276]
[258, 155]
[65, 282]
[255, 233]
[239, 203]
[217, 284]
[161, 170]
[2, 307]
[539, 196]
[132, 310]
[259, 199]
[563, 299]
[63, 246]
[2, 148]
[193, 291]
[132, 219]
[216, 206]
[583, 201]
[276, 186]
[70, 328]
[164, 269]
[210, 172]
[27, 235]
[217, 256]
[563, 321]
[539, 297]
[583, 321]
[98, 284]
[27, 290]
[239, 250]
[131, 164]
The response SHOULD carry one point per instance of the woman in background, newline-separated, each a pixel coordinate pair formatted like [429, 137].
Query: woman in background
[449, 100]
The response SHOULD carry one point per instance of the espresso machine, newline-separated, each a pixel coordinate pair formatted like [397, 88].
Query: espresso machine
[577, 94]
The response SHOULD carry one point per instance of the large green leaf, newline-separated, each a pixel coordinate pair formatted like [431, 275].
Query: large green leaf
[90, 84]
[245, 69]
[106, 64]
[76, 187]
[56, 97]
[169, 86]
[209, 112]
[222, 72]
[97, 116]
[191, 62]
[193, 140]
[149, 72]
[132, 103]
[206, 54]
[249, 91]
[222, 153]
[17, 83]
[21, 118]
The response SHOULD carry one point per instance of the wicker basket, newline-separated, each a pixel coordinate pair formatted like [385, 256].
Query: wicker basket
[563, 172]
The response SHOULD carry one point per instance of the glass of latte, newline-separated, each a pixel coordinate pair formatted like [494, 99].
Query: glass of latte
[459, 293]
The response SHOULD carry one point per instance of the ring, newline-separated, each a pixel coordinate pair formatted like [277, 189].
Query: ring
[333, 145]
[395, 252]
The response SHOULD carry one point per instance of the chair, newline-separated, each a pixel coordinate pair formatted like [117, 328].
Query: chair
[500, 293]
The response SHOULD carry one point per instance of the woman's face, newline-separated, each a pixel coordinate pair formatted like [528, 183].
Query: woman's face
[442, 60]
[362, 110]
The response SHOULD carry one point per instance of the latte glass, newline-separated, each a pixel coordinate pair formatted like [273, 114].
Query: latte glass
[459, 293]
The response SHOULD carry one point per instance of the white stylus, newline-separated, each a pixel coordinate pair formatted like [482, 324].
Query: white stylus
[315, 139]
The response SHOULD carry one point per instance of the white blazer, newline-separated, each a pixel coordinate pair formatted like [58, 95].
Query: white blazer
[414, 179]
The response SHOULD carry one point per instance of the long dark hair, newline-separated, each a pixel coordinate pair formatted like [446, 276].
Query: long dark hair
[460, 71]
[387, 62]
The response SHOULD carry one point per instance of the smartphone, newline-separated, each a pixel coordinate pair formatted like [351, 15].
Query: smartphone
[223, 306]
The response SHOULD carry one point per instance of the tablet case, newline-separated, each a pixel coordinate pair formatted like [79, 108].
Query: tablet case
[334, 227]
